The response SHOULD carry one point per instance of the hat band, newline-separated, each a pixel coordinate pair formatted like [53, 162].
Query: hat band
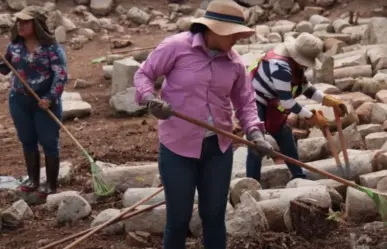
[224, 17]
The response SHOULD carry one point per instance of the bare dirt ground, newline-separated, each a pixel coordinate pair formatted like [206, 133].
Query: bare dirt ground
[120, 140]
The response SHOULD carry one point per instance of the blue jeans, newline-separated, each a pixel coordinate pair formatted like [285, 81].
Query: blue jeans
[211, 175]
[285, 140]
[34, 125]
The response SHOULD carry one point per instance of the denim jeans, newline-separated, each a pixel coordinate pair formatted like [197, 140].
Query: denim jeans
[34, 125]
[211, 175]
[285, 140]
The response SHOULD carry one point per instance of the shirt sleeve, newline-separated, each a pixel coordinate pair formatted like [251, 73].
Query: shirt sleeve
[312, 92]
[243, 99]
[282, 80]
[58, 63]
[159, 62]
[8, 56]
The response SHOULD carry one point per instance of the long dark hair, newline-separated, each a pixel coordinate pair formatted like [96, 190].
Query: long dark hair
[198, 28]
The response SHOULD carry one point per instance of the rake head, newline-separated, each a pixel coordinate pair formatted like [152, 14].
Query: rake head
[100, 186]
[380, 200]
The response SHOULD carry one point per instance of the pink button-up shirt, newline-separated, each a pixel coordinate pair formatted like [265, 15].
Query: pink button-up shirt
[197, 84]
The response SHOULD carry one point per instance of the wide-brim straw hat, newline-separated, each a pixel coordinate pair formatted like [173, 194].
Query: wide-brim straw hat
[305, 49]
[225, 18]
[30, 13]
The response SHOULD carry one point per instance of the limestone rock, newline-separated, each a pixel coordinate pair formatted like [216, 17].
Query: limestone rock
[240, 186]
[17, 4]
[128, 176]
[359, 207]
[327, 88]
[325, 3]
[276, 208]
[104, 216]
[54, 200]
[304, 26]
[344, 84]
[75, 108]
[184, 23]
[353, 71]
[333, 46]
[123, 74]
[107, 71]
[248, 218]
[152, 221]
[125, 102]
[350, 59]
[340, 24]
[60, 34]
[369, 86]
[381, 96]
[73, 208]
[16, 214]
[382, 184]
[356, 98]
[133, 195]
[82, 2]
[379, 113]
[311, 149]
[101, 7]
[138, 16]
[364, 112]
[360, 164]
[6, 21]
[318, 19]
[371, 180]
[376, 32]
[367, 129]
[375, 140]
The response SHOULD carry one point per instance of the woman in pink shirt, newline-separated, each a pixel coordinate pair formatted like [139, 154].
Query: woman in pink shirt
[203, 76]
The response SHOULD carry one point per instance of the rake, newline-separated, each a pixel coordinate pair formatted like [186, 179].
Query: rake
[100, 187]
[379, 198]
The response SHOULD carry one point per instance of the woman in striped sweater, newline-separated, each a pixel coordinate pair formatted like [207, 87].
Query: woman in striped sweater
[278, 78]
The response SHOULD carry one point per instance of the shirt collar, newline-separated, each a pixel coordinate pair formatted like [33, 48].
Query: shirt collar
[198, 41]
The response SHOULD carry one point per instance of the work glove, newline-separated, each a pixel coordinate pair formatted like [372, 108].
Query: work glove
[318, 120]
[158, 107]
[262, 146]
[337, 104]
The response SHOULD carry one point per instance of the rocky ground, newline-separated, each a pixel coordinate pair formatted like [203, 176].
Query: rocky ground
[100, 113]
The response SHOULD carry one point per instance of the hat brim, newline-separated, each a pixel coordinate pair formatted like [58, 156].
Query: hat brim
[290, 45]
[23, 16]
[225, 28]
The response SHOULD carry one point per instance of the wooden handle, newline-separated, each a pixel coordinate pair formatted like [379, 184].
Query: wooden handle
[343, 143]
[32, 92]
[248, 143]
[332, 146]
[113, 220]
[127, 216]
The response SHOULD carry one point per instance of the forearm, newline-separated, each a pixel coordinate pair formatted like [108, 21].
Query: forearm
[144, 86]
[296, 108]
[313, 93]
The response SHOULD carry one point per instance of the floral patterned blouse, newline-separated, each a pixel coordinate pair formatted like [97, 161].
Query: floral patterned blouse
[45, 70]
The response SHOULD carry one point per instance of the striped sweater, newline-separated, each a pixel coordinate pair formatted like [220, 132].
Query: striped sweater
[273, 79]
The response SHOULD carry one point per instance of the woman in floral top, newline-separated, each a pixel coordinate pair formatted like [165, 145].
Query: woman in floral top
[41, 61]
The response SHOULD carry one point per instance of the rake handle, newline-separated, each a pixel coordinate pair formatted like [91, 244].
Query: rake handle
[251, 144]
[341, 137]
[32, 92]
[127, 216]
[114, 219]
